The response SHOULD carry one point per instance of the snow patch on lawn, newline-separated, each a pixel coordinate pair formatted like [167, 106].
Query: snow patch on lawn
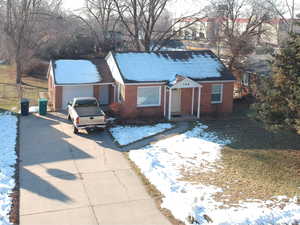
[125, 135]
[8, 135]
[33, 109]
[163, 162]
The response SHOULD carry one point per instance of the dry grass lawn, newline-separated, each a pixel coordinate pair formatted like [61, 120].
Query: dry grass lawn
[257, 164]
[8, 91]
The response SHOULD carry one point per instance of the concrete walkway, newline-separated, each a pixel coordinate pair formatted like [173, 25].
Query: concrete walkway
[180, 128]
[69, 179]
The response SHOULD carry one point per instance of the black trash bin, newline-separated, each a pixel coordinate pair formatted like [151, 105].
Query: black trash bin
[24, 107]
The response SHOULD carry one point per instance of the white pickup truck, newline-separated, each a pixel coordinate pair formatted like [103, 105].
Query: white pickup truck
[85, 113]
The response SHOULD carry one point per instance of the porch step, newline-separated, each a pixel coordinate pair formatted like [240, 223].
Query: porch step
[183, 118]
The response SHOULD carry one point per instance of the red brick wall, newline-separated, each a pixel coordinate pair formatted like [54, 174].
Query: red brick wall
[206, 105]
[50, 91]
[111, 93]
[228, 97]
[58, 97]
[55, 94]
[130, 109]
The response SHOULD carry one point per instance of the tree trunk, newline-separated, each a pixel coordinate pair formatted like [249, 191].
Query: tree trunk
[18, 72]
[19, 78]
[147, 43]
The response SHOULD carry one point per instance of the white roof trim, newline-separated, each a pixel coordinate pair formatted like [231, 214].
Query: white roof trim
[114, 68]
[92, 84]
[216, 81]
[143, 84]
[152, 83]
[51, 73]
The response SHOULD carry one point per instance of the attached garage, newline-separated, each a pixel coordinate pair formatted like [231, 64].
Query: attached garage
[68, 79]
[71, 92]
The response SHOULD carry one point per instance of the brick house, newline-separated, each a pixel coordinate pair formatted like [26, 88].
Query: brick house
[146, 84]
[68, 79]
[171, 84]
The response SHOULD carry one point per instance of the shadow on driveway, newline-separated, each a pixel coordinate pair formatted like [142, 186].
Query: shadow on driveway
[42, 142]
[38, 186]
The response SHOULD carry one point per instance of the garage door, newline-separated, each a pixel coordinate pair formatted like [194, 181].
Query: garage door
[70, 92]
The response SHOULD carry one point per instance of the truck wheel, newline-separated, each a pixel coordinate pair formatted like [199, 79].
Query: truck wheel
[69, 117]
[75, 130]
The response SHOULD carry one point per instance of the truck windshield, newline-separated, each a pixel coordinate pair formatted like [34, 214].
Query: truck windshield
[86, 103]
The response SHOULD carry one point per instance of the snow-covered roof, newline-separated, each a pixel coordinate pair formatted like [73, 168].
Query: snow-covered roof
[76, 72]
[164, 66]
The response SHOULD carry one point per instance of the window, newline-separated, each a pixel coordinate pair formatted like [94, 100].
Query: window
[217, 93]
[148, 96]
[246, 79]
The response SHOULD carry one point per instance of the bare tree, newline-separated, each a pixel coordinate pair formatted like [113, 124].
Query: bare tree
[285, 10]
[141, 20]
[25, 26]
[101, 20]
[240, 24]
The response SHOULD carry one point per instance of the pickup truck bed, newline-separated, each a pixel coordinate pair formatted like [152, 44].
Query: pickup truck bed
[86, 114]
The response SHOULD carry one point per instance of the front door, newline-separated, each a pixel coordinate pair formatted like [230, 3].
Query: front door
[176, 101]
[104, 95]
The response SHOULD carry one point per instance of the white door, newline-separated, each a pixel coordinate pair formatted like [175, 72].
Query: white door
[70, 92]
[104, 95]
[176, 101]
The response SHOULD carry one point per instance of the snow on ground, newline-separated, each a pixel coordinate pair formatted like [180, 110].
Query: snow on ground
[125, 135]
[33, 109]
[162, 163]
[8, 134]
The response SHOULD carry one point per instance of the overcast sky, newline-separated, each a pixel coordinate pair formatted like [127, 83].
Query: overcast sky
[178, 8]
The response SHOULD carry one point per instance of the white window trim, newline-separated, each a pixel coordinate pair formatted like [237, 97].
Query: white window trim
[119, 93]
[221, 101]
[153, 105]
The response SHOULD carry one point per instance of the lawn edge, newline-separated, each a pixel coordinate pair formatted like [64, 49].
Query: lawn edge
[14, 215]
[155, 194]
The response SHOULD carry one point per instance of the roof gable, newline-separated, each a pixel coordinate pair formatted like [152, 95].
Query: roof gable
[164, 66]
[185, 83]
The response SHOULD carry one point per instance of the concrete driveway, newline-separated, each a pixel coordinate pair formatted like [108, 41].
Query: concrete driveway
[71, 179]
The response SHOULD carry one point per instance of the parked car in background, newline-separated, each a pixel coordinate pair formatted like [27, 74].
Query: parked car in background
[168, 45]
[85, 113]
